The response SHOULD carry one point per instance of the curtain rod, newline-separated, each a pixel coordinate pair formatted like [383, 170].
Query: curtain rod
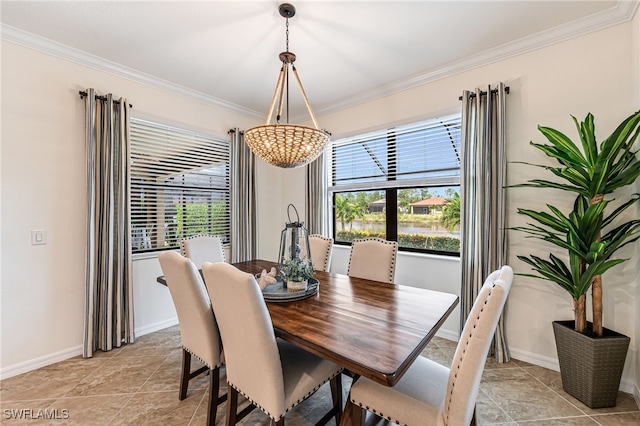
[473, 95]
[83, 95]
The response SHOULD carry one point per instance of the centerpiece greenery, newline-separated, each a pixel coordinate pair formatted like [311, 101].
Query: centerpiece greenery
[297, 269]
[588, 235]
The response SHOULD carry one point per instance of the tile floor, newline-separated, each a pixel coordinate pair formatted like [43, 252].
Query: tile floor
[138, 385]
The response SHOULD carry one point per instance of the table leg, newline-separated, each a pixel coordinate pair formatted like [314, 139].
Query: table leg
[346, 417]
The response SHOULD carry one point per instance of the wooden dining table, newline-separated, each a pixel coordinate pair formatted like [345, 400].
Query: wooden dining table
[373, 329]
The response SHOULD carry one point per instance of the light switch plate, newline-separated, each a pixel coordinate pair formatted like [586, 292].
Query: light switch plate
[38, 237]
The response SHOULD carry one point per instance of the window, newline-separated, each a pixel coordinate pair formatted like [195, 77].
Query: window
[179, 186]
[401, 184]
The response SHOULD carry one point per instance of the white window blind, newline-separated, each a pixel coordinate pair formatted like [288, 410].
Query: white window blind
[179, 185]
[421, 154]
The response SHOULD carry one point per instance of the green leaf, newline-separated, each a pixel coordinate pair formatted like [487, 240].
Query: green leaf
[586, 129]
[625, 133]
[550, 271]
[564, 147]
[545, 219]
[578, 177]
[556, 185]
[626, 177]
[610, 218]
[624, 234]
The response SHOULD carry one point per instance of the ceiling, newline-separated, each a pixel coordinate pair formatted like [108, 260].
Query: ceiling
[348, 52]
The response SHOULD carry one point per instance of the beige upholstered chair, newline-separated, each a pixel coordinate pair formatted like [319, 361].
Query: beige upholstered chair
[429, 393]
[202, 248]
[198, 328]
[321, 249]
[373, 259]
[273, 375]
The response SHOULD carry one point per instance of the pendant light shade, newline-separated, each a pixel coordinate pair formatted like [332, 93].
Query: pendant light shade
[286, 145]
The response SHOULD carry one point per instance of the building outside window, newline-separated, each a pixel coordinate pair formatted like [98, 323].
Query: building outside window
[179, 186]
[401, 184]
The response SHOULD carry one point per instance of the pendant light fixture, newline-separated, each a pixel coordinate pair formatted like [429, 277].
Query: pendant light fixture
[283, 144]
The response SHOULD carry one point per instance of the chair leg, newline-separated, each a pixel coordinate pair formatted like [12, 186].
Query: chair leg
[356, 413]
[232, 406]
[185, 374]
[336, 394]
[214, 388]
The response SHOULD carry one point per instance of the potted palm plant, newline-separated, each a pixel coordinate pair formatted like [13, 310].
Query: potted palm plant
[588, 237]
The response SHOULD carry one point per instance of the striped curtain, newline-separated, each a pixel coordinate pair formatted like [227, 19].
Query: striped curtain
[316, 204]
[109, 286]
[243, 200]
[482, 217]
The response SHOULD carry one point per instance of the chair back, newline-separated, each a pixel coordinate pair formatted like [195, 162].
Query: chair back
[321, 250]
[373, 259]
[203, 248]
[250, 349]
[473, 346]
[198, 328]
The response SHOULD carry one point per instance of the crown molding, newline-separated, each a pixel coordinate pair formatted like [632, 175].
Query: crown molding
[59, 50]
[624, 11]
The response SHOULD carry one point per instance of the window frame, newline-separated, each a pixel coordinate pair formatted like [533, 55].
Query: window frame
[390, 192]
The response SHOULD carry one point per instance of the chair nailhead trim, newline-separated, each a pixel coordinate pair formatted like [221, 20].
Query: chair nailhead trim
[377, 414]
[464, 350]
[183, 248]
[328, 251]
[393, 260]
[201, 360]
[286, 409]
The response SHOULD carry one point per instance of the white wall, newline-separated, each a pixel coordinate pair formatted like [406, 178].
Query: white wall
[594, 73]
[43, 187]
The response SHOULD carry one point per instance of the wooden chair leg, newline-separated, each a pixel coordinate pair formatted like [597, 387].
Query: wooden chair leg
[185, 374]
[336, 394]
[232, 406]
[214, 388]
[356, 413]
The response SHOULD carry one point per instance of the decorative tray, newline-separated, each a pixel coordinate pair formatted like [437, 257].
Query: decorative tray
[277, 293]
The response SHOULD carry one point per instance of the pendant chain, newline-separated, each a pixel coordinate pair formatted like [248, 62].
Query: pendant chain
[287, 34]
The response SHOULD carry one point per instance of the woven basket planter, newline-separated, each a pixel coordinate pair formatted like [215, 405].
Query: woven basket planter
[297, 285]
[591, 367]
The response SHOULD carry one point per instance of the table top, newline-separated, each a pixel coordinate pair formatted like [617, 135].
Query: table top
[374, 329]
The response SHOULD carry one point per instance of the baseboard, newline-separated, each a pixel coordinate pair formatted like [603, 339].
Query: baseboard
[535, 359]
[552, 364]
[447, 334]
[42, 361]
[161, 325]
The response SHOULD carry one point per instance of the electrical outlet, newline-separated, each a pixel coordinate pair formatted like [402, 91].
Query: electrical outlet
[38, 237]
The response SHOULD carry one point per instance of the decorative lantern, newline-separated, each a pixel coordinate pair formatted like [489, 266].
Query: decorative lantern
[294, 241]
